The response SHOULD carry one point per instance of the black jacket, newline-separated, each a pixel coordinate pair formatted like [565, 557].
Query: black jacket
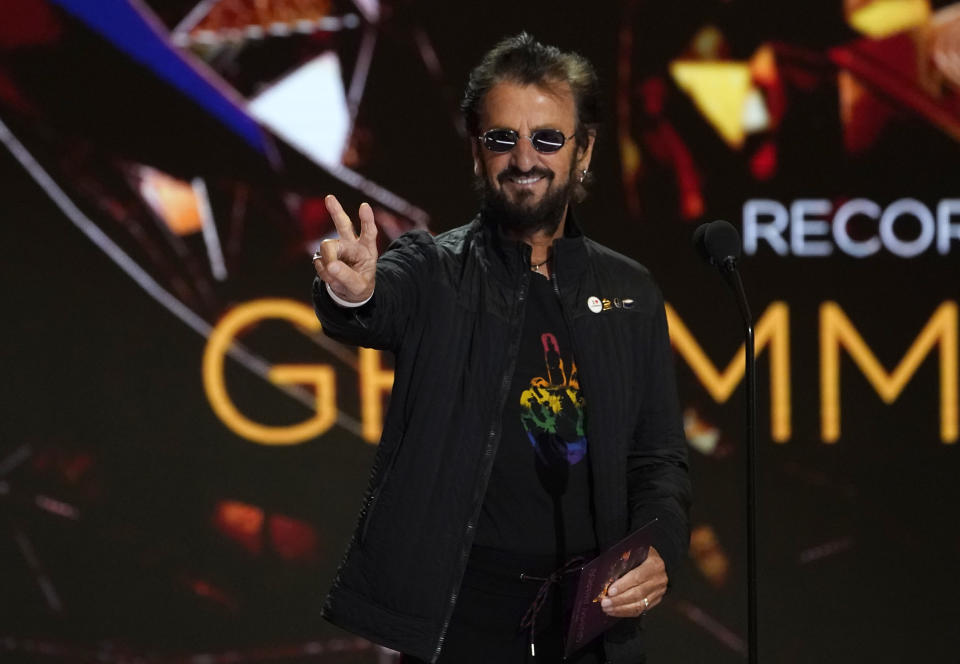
[450, 308]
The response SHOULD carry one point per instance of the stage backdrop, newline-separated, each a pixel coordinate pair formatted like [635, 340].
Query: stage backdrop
[183, 452]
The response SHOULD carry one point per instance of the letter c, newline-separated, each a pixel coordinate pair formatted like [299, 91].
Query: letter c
[841, 218]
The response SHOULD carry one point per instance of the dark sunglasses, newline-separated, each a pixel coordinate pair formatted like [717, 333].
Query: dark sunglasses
[543, 140]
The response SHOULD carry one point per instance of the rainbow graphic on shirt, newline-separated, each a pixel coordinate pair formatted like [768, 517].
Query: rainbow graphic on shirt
[552, 408]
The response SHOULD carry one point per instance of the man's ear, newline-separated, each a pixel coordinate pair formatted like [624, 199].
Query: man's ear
[475, 149]
[586, 152]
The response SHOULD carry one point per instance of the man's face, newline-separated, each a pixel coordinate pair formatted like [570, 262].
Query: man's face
[527, 189]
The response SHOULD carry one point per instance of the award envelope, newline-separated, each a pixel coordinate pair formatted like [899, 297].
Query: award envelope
[587, 619]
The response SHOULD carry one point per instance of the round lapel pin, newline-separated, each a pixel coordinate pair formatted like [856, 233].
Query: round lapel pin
[594, 304]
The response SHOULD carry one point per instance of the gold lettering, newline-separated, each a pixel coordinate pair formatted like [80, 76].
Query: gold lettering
[773, 330]
[836, 330]
[322, 377]
[374, 381]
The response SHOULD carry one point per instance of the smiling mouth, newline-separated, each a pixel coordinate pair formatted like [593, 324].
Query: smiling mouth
[524, 181]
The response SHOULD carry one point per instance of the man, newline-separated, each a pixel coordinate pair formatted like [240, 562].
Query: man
[534, 415]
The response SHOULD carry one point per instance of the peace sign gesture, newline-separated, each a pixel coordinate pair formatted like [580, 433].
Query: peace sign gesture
[349, 265]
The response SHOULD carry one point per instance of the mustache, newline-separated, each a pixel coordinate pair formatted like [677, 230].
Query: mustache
[514, 172]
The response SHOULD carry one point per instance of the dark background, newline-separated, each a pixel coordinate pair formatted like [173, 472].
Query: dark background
[115, 471]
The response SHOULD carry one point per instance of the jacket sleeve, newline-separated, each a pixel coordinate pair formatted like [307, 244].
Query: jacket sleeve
[402, 273]
[658, 483]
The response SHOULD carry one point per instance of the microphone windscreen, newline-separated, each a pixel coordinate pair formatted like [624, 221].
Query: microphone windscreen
[699, 243]
[722, 241]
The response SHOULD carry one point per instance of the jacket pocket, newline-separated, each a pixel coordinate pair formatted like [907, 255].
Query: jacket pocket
[367, 513]
[377, 491]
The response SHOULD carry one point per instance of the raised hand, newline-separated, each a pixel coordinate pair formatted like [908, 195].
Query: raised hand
[349, 265]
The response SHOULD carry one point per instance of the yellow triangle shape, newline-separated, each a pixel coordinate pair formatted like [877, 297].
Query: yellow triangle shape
[719, 90]
[883, 18]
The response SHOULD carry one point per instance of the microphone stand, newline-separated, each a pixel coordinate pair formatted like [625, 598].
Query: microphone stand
[728, 268]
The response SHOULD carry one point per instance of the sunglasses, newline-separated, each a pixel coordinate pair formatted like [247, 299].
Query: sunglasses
[543, 140]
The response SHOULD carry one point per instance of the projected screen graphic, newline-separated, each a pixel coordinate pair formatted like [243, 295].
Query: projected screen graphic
[184, 452]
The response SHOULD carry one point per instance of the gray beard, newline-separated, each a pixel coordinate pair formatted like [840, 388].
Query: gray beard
[524, 220]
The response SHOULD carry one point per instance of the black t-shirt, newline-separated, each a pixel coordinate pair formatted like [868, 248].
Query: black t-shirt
[538, 498]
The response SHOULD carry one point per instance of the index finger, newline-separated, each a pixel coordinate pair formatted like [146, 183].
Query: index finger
[368, 228]
[340, 218]
[632, 578]
[640, 574]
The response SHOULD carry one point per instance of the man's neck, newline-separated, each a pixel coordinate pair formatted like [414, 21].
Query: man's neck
[540, 242]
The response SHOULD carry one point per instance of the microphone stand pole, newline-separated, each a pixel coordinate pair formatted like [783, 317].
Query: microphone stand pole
[732, 276]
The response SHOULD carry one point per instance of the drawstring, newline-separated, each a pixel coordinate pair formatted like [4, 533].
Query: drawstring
[530, 617]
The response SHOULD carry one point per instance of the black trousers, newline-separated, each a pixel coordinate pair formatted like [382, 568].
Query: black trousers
[493, 599]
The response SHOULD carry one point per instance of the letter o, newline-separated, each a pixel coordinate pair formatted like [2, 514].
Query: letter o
[916, 209]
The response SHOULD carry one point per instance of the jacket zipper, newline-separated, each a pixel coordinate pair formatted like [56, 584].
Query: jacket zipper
[568, 320]
[563, 310]
[493, 437]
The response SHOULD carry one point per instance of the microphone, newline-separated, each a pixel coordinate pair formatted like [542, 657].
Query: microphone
[718, 243]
